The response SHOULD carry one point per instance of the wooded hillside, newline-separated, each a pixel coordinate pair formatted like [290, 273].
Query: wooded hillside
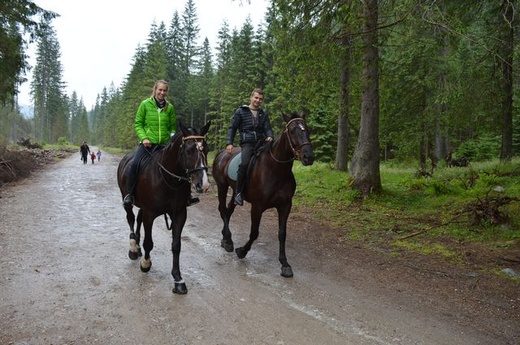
[418, 81]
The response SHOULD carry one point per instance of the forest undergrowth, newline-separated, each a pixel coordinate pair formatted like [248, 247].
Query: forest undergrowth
[463, 215]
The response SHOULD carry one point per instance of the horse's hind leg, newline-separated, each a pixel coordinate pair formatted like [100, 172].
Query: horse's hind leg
[256, 216]
[146, 262]
[225, 214]
[133, 253]
[138, 232]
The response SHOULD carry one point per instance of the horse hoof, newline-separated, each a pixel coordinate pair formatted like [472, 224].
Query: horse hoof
[180, 288]
[227, 246]
[133, 255]
[241, 253]
[287, 272]
[146, 268]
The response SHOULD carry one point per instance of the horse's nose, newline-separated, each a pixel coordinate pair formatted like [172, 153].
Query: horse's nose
[308, 158]
[309, 161]
[203, 186]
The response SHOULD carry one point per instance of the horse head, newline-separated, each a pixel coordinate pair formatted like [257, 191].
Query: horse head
[194, 155]
[298, 136]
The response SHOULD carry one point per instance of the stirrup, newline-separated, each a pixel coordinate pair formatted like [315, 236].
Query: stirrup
[239, 200]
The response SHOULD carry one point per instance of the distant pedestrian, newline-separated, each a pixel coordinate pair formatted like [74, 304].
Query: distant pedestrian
[93, 157]
[98, 155]
[85, 150]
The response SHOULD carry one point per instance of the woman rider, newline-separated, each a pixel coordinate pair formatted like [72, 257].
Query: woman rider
[155, 122]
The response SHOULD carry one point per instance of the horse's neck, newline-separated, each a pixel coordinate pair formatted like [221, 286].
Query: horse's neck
[168, 157]
[281, 148]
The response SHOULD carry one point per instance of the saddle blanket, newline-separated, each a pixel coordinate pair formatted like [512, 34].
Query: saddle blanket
[232, 169]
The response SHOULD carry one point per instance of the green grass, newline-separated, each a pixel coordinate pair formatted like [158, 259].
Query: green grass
[423, 215]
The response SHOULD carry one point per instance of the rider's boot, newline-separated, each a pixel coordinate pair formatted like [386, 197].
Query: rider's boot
[130, 183]
[239, 199]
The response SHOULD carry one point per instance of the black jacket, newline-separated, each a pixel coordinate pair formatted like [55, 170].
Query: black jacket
[250, 131]
[84, 149]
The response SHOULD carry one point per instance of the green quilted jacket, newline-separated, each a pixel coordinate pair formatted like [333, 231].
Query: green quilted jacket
[153, 123]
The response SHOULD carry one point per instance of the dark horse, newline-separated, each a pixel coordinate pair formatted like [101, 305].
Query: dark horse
[270, 183]
[163, 188]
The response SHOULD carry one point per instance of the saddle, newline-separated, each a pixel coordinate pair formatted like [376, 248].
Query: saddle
[145, 159]
[232, 169]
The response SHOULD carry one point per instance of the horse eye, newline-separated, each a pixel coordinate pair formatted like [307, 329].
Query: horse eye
[191, 149]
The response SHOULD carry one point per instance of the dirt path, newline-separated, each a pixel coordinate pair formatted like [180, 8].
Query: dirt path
[66, 279]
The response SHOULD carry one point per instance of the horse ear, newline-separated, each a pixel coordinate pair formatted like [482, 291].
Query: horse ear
[303, 113]
[205, 129]
[182, 127]
[286, 117]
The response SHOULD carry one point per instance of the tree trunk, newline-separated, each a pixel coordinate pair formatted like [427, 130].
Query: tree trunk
[509, 14]
[441, 142]
[344, 106]
[365, 162]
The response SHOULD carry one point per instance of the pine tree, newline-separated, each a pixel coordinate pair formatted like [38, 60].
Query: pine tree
[50, 103]
[17, 28]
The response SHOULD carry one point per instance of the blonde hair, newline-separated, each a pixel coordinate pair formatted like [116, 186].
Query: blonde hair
[157, 84]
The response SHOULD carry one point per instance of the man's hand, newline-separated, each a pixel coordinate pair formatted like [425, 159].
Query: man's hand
[229, 148]
[147, 143]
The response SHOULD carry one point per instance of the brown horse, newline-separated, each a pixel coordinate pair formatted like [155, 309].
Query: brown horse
[270, 183]
[163, 188]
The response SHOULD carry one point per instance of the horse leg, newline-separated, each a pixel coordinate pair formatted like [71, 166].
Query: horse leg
[256, 216]
[134, 241]
[138, 232]
[179, 286]
[225, 214]
[146, 263]
[283, 215]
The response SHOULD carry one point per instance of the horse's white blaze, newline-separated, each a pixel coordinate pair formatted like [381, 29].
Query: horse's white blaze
[202, 166]
[146, 263]
[133, 246]
[205, 181]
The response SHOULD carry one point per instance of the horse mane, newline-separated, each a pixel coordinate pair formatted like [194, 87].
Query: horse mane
[172, 140]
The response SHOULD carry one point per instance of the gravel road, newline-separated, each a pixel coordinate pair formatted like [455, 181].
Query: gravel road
[66, 279]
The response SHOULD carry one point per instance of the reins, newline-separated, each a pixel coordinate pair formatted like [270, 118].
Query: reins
[187, 171]
[296, 151]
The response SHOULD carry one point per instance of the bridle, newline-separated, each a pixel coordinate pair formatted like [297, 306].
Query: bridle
[199, 141]
[297, 150]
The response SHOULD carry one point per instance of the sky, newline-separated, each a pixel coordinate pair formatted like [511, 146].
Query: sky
[98, 38]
